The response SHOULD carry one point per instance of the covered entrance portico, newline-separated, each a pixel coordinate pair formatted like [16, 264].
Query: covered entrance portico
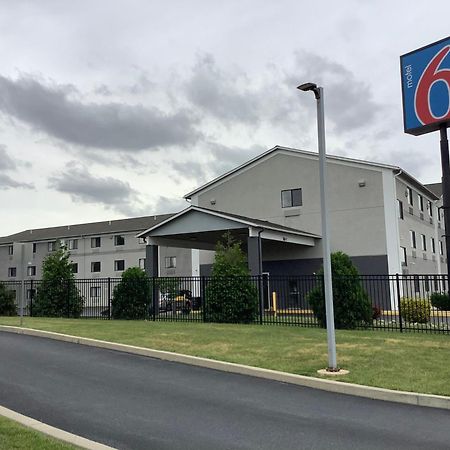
[201, 229]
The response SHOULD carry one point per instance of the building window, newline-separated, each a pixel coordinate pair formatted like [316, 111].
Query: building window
[412, 235]
[403, 256]
[34, 247]
[74, 267]
[96, 266]
[10, 249]
[420, 198]
[31, 271]
[433, 245]
[119, 240]
[31, 294]
[95, 291]
[409, 194]
[430, 208]
[291, 197]
[12, 272]
[400, 209]
[424, 242]
[142, 263]
[441, 248]
[51, 246]
[119, 265]
[171, 262]
[73, 244]
[96, 242]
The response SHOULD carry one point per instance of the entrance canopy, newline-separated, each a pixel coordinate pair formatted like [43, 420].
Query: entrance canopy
[201, 228]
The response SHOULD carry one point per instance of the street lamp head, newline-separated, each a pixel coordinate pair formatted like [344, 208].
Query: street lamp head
[307, 86]
[310, 87]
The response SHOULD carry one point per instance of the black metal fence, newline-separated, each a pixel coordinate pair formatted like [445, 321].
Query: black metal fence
[399, 302]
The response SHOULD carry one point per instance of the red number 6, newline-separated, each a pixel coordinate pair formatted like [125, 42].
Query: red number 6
[431, 75]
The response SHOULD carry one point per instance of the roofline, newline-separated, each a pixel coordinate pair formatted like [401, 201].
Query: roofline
[292, 150]
[230, 217]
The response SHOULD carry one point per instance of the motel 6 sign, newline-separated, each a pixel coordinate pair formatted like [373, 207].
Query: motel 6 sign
[426, 88]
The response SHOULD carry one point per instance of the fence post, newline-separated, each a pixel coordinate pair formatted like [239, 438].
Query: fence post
[109, 297]
[31, 297]
[261, 298]
[68, 298]
[397, 280]
[154, 297]
[203, 297]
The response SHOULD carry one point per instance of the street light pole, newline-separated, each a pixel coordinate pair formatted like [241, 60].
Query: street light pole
[318, 93]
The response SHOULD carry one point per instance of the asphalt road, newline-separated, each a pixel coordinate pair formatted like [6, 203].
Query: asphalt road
[134, 402]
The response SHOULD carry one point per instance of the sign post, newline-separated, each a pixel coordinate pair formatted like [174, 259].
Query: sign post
[425, 75]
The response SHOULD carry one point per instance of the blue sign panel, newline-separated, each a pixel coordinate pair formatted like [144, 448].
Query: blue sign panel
[426, 87]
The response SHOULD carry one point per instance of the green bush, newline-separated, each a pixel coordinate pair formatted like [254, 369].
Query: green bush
[440, 301]
[58, 295]
[132, 297]
[231, 297]
[415, 310]
[7, 304]
[352, 307]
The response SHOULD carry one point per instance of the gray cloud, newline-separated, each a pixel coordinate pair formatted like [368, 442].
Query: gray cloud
[6, 182]
[82, 186]
[225, 96]
[166, 205]
[349, 102]
[6, 162]
[53, 110]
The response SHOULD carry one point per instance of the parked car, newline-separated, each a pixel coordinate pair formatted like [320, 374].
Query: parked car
[179, 301]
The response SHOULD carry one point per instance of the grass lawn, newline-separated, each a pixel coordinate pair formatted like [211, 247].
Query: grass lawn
[408, 361]
[14, 436]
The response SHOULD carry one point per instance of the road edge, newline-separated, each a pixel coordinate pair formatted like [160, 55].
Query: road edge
[53, 432]
[410, 398]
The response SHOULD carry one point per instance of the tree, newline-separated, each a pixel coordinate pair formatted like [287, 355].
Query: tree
[57, 294]
[132, 297]
[7, 304]
[231, 296]
[352, 306]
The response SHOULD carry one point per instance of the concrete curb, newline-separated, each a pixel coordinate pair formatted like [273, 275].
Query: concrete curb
[410, 398]
[52, 431]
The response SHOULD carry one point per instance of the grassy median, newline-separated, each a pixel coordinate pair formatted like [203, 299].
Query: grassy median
[410, 361]
[17, 437]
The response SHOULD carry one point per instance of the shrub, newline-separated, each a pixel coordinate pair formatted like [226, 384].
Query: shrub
[440, 300]
[352, 307]
[132, 296]
[58, 295]
[415, 310]
[231, 297]
[376, 312]
[7, 304]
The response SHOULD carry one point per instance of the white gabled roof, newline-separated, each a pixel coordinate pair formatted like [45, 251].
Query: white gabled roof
[280, 149]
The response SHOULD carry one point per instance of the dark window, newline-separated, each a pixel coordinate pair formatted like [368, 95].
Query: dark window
[420, 201]
[433, 245]
[119, 265]
[400, 209]
[73, 244]
[403, 256]
[31, 293]
[409, 194]
[430, 208]
[96, 242]
[34, 247]
[74, 267]
[441, 248]
[96, 266]
[412, 234]
[424, 242]
[31, 271]
[171, 262]
[416, 283]
[10, 249]
[51, 246]
[119, 240]
[291, 197]
[12, 272]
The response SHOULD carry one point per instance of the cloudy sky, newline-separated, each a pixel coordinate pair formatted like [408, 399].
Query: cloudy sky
[117, 108]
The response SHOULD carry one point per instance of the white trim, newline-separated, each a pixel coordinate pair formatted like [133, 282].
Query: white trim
[391, 223]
